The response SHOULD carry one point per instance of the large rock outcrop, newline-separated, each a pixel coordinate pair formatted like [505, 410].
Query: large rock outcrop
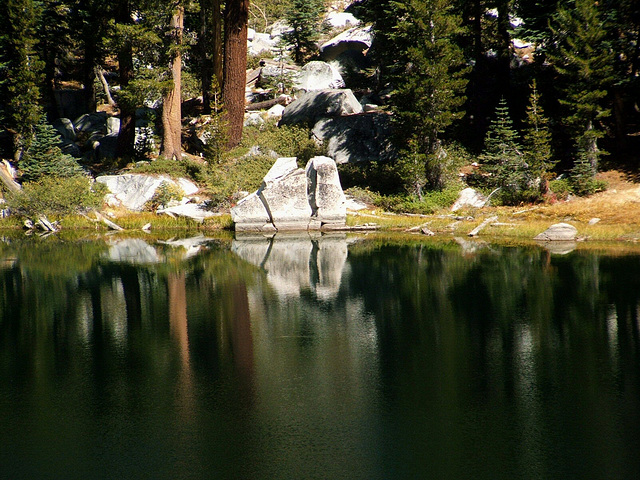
[312, 106]
[133, 191]
[319, 76]
[291, 198]
[357, 138]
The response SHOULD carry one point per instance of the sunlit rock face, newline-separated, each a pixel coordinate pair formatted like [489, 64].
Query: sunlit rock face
[291, 198]
[297, 263]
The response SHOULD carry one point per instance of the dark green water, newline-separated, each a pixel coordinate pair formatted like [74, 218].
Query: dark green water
[331, 359]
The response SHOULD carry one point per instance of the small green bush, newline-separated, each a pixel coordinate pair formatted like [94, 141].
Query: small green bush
[560, 187]
[431, 202]
[241, 174]
[286, 141]
[57, 196]
[163, 195]
[174, 168]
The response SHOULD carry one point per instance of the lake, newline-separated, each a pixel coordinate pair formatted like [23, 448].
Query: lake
[317, 357]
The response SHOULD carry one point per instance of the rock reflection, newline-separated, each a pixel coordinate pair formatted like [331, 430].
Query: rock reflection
[297, 263]
[137, 251]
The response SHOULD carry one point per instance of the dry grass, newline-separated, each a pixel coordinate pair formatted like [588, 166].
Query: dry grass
[618, 209]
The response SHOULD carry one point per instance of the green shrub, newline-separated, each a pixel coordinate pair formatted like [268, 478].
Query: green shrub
[560, 187]
[286, 141]
[431, 202]
[57, 196]
[163, 195]
[174, 168]
[242, 174]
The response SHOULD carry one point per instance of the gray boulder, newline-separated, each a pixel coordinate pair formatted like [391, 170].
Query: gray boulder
[558, 232]
[259, 43]
[312, 106]
[92, 122]
[132, 191]
[319, 76]
[293, 199]
[469, 198]
[355, 39]
[356, 138]
[284, 192]
[327, 200]
[65, 128]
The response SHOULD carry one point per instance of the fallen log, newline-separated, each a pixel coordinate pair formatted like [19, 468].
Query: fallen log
[476, 230]
[108, 222]
[281, 100]
[6, 177]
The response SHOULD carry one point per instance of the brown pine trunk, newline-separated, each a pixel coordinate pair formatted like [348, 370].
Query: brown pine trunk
[210, 49]
[127, 134]
[171, 108]
[236, 16]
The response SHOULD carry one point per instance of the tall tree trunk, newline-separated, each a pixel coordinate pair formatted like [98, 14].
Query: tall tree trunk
[88, 71]
[236, 17]
[217, 59]
[210, 49]
[172, 103]
[127, 134]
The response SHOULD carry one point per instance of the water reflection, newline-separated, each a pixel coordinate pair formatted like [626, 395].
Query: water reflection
[294, 263]
[317, 357]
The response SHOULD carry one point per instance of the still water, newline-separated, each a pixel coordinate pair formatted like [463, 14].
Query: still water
[329, 357]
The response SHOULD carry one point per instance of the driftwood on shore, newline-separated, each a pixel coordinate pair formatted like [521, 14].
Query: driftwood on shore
[476, 230]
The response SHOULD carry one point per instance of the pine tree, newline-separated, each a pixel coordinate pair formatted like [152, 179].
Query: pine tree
[502, 157]
[426, 69]
[537, 141]
[305, 18]
[44, 157]
[583, 62]
[20, 71]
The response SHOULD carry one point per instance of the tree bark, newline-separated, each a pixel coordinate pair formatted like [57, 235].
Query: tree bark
[127, 134]
[172, 102]
[210, 49]
[99, 72]
[236, 17]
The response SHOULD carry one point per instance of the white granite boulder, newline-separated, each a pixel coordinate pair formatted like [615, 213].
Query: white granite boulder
[284, 192]
[293, 199]
[132, 191]
[325, 194]
[319, 76]
[469, 198]
[312, 106]
[558, 232]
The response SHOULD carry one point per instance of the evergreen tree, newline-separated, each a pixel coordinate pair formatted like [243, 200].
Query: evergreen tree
[20, 71]
[583, 61]
[503, 159]
[305, 18]
[537, 141]
[426, 68]
[44, 157]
